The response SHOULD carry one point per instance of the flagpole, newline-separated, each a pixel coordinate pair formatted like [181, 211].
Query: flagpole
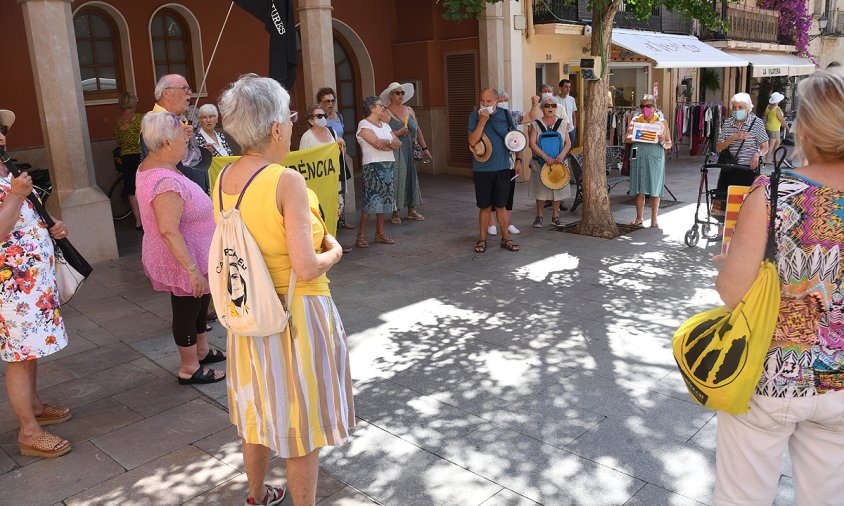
[214, 52]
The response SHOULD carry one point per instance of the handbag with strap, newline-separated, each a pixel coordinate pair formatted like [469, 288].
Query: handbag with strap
[71, 267]
[721, 352]
[726, 157]
[241, 286]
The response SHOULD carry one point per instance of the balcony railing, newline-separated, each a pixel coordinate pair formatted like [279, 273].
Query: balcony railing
[746, 23]
[577, 11]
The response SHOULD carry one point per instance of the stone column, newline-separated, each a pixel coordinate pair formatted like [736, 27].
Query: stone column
[491, 42]
[317, 46]
[55, 67]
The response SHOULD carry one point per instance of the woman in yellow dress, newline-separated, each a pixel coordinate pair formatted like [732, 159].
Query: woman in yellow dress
[774, 120]
[290, 393]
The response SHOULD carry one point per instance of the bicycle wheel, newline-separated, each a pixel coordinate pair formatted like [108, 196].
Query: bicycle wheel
[120, 208]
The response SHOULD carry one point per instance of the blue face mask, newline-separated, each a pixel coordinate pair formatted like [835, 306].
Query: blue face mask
[740, 115]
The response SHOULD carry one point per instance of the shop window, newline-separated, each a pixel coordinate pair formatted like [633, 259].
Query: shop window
[171, 45]
[461, 70]
[99, 52]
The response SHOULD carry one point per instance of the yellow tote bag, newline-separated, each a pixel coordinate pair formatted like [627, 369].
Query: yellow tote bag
[721, 352]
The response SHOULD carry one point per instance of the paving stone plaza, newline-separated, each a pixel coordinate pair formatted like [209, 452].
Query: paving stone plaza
[496, 379]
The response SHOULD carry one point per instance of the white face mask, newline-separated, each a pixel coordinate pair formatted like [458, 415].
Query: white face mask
[488, 108]
[320, 122]
[504, 105]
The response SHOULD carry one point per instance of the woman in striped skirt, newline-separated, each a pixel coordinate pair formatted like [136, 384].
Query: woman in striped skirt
[290, 392]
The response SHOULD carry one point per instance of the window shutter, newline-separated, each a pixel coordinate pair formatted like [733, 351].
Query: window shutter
[461, 99]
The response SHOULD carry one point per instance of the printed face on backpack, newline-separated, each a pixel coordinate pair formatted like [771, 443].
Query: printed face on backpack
[237, 290]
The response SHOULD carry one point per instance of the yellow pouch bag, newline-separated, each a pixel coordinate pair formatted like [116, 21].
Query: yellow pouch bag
[721, 352]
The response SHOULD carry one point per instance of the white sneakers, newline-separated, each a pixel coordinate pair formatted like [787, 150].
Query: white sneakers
[492, 230]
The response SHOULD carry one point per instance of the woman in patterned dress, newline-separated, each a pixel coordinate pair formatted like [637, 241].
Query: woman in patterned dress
[290, 393]
[799, 401]
[377, 142]
[403, 121]
[31, 325]
[647, 166]
[127, 132]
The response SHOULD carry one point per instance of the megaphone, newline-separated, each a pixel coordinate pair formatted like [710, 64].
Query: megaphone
[515, 141]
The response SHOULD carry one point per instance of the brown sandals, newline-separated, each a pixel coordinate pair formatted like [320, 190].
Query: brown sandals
[361, 242]
[384, 238]
[52, 415]
[47, 446]
[509, 245]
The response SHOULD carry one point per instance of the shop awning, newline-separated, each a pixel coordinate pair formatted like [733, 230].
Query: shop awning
[768, 64]
[674, 51]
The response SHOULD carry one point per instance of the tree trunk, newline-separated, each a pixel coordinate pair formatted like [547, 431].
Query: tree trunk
[597, 220]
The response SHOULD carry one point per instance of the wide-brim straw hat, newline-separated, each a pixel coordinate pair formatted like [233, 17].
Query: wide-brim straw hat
[385, 95]
[555, 176]
[776, 98]
[482, 150]
[7, 118]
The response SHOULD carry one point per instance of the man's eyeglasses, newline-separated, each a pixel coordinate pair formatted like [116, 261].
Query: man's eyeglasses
[184, 88]
[319, 116]
[550, 106]
[399, 92]
[294, 115]
[329, 100]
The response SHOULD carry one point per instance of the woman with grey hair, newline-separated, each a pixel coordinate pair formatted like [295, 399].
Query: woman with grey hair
[377, 142]
[743, 140]
[647, 162]
[290, 392]
[178, 225]
[207, 137]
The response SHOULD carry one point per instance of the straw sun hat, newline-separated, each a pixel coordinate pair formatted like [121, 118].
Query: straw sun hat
[555, 176]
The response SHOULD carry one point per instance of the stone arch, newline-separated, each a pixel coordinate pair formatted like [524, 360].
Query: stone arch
[367, 71]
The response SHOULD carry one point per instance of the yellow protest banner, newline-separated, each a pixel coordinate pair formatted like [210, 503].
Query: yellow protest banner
[319, 165]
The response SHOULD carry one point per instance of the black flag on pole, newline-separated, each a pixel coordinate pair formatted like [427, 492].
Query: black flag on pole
[277, 16]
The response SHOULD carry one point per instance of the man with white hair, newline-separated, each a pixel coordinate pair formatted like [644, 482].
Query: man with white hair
[173, 94]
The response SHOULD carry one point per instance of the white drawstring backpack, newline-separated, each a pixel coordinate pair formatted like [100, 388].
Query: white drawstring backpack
[243, 291]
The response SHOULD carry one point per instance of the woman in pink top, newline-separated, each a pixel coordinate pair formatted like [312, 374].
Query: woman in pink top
[178, 220]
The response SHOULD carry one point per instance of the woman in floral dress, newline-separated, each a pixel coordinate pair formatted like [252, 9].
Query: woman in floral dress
[31, 324]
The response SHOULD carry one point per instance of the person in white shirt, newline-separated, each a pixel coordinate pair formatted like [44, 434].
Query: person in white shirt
[570, 105]
[377, 142]
[207, 137]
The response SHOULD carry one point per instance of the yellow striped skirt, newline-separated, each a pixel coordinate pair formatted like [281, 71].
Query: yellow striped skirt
[293, 394]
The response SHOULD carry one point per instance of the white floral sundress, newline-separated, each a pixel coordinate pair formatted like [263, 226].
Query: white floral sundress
[31, 324]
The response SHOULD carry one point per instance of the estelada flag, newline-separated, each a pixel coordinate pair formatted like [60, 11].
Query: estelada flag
[277, 16]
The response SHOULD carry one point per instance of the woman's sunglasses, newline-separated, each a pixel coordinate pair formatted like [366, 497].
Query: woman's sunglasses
[319, 116]
[550, 106]
[398, 92]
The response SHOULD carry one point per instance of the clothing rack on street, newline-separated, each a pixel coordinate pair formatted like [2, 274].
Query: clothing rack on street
[697, 121]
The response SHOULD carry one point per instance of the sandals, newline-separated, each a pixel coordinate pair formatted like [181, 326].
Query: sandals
[395, 220]
[361, 242]
[384, 238]
[347, 226]
[654, 224]
[509, 245]
[213, 356]
[636, 223]
[537, 222]
[480, 246]
[555, 221]
[52, 415]
[202, 376]
[47, 446]
[415, 217]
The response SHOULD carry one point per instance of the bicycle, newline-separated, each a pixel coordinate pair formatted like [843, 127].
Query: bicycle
[120, 208]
